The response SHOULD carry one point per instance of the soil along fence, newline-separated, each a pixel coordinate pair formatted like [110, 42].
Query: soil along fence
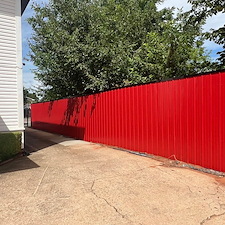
[185, 118]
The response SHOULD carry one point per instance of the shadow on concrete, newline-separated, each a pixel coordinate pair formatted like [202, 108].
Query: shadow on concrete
[35, 140]
[8, 151]
[21, 163]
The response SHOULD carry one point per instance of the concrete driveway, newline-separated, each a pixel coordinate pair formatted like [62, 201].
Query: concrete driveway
[65, 181]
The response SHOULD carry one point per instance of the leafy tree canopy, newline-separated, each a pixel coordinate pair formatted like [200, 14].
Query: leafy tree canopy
[84, 46]
[202, 9]
[29, 96]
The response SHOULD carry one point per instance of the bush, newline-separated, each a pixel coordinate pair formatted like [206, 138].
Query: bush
[10, 145]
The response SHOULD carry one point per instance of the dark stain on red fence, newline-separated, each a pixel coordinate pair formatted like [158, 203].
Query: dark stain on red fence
[184, 117]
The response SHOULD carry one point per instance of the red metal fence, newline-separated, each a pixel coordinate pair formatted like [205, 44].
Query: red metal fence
[185, 118]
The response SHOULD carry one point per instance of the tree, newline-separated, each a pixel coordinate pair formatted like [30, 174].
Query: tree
[176, 51]
[81, 47]
[201, 10]
[29, 96]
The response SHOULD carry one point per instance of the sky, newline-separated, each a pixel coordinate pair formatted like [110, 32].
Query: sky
[28, 76]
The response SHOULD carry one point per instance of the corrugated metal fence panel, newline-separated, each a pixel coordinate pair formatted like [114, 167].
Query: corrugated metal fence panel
[185, 118]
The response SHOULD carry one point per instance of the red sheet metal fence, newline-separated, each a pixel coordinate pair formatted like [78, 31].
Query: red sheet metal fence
[185, 118]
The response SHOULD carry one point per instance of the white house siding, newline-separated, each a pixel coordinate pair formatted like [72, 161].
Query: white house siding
[11, 100]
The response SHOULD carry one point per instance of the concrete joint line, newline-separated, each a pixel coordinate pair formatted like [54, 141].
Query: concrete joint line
[112, 206]
[211, 217]
[39, 184]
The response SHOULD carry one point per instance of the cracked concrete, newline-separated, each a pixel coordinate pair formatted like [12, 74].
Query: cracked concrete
[209, 219]
[117, 211]
[65, 181]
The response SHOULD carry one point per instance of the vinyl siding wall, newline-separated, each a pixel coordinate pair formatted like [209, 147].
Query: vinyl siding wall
[11, 88]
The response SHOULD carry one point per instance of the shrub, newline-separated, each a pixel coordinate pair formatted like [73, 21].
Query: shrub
[10, 145]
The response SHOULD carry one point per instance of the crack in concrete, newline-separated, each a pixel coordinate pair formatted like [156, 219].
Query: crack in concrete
[211, 217]
[112, 206]
[189, 189]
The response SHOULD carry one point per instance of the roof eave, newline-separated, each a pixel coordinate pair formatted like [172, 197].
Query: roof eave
[24, 5]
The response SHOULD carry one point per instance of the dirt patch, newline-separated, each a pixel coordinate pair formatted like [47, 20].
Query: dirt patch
[172, 162]
[220, 180]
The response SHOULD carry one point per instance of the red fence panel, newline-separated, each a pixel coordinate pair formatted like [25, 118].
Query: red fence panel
[185, 118]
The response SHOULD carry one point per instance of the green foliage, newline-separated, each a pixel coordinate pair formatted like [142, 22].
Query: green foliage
[208, 8]
[10, 145]
[201, 10]
[29, 96]
[81, 47]
[174, 52]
